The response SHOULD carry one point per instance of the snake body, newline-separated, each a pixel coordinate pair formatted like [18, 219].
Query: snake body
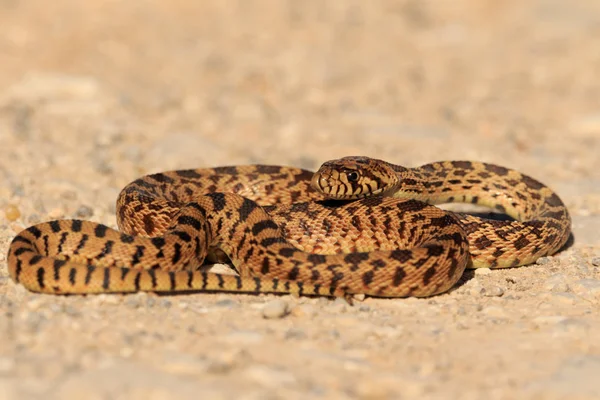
[356, 226]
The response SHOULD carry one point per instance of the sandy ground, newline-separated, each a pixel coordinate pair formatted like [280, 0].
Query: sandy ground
[95, 94]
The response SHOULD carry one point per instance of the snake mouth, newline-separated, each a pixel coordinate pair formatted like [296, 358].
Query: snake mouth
[361, 195]
[331, 194]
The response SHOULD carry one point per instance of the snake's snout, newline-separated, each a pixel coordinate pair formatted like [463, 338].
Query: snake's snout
[320, 182]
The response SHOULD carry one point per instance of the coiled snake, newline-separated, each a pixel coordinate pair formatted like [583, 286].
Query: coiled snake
[383, 239]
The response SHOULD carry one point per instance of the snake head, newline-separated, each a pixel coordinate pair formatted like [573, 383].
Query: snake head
[354, 177]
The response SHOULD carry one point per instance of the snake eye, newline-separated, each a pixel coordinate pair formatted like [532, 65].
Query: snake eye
[352, 176]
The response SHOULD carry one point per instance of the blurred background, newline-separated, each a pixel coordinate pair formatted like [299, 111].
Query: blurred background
[94, 94]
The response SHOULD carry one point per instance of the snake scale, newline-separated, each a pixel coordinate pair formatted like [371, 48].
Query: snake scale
[356, 226]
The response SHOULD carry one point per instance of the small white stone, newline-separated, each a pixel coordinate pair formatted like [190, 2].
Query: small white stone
[543, 260]
[275, 309]
[483, 271]
[492, 291]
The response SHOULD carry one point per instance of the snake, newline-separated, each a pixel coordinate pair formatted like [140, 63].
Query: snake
[357, 226]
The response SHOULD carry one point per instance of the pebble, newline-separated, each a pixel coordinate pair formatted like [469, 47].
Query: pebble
[543, 260]
[226, 303]
[84, 212]
[492, 291]
[11, 212]
[482, 271]
[227, 360]
[56, 213]
[295, 333]
[596, 261]
[275, 309]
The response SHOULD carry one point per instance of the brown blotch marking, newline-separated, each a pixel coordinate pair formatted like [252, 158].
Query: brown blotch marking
[228, 170]
[378, 263]
[315, 275]
[125, 238]
[430, 273]
[356, 258]
[367, 277]
[137, 256]
[188, 173]
[293, 274]
[238, 187]
[316, 259]
[176, 253]
[161, 178]
[495, 169]
[148, 223]
[268, 169]
[246, 209]
[40, 277]
[260, 226]
[264, 269]
[88, 274]
[521, 242]
[498, 252]
[554, 200]
[550, 238]
[287, 252]
[399, 276]
[152, 274]
[76, 225]
[401, 255]
[81, 244]
[462, 164]
[72, 275]
[35, 259]
[57, 265]
[171, 280]
[106, 278]
[481, 242]
[55, 226]
[100, 231]
[532, 183]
